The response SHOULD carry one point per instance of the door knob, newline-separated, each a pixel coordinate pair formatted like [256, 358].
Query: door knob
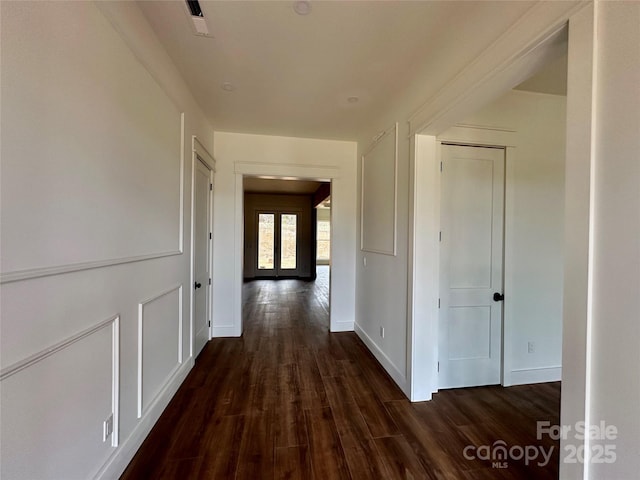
[198, 285]
[498, 297]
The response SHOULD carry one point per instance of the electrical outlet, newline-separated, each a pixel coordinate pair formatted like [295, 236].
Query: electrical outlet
[382, 332]
[107, 428]
[531, 347]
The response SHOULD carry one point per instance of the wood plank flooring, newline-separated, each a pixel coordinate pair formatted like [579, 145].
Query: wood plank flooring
[289, 400]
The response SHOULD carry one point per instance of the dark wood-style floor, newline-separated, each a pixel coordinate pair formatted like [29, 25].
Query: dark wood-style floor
[289, 400]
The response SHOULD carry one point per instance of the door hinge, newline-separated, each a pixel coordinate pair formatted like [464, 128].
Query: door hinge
[438, 366]
[438, 303]
[440, 166]
[209, 281]
[209, 323]
[440, 236]
[209, 235]
[210, 186]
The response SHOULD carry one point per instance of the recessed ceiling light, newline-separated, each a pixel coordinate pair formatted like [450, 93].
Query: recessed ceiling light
[353, 99]
[227, 87]
[302, 7]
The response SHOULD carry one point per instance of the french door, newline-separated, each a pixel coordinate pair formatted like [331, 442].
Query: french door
[277, 242]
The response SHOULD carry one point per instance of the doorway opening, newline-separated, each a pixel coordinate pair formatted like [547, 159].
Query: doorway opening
[287, 235]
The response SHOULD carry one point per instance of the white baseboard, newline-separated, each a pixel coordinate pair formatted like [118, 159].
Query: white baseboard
[116, 464]
[342, 327]
[222, 331]
[386, 363]
[525, 376]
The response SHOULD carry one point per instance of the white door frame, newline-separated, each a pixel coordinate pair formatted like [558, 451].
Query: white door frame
[424, 237]
[302, 172]
[200, 153]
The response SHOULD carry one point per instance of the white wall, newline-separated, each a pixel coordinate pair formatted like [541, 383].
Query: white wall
[534, 229]
[534, 244]
[243, 154]
[615, 335]
[95, 208]
[601, 382]
[390, 292]
[382, 283]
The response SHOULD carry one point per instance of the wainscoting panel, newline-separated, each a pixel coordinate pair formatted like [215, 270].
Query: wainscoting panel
[43, 393]
[112, 195]
[159, 344]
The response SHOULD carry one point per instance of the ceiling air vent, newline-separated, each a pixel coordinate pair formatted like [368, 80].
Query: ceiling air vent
[194, 8]
[197, 18]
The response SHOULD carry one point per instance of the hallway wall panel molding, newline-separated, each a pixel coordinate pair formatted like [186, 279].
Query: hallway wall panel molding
[94, 379]
[160, 332]
[95, 191]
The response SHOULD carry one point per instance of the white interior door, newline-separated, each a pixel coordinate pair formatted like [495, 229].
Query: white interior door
[471, 255]
[202, 255]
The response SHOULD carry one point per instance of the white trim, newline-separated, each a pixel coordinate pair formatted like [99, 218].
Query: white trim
[422, 355]
[480, 135]
[209, 286]
[39, 272]
[342, 327]
[181, 234]
[424, 265]
[115, 379]
[221, 331]
[114, 323]
[200, 149]
[578, 207]
[288, 170]
[311, 172]
[118, 461]
[525, 376]
[238, 252]
[528, 44]
[394, 249]
[200, 153]
[47, 352]
[489, 127]
[385, 361]
[591, 250]
[141, 306]
[508, 314]
[30, 274]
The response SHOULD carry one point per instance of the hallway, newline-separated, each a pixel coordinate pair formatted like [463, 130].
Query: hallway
[291, 400]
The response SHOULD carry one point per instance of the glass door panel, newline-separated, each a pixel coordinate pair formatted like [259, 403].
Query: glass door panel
[277, 244]
[288, 241]
[266, 241]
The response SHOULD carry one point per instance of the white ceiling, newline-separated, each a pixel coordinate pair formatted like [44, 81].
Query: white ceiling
[292, 74]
